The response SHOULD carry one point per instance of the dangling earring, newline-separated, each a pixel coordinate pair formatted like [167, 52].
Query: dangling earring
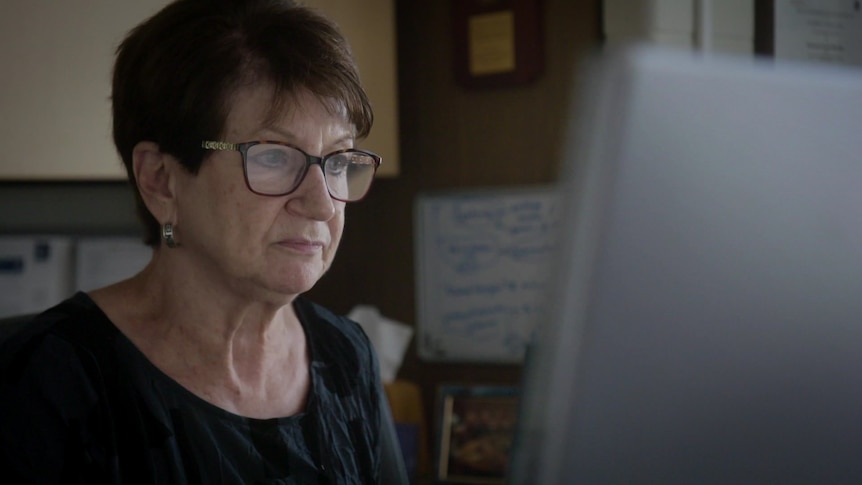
[168, 235]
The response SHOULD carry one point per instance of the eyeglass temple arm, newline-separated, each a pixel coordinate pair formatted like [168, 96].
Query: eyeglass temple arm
[219, 145]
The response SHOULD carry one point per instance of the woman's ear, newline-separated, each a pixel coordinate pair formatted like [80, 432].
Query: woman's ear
[154, 173]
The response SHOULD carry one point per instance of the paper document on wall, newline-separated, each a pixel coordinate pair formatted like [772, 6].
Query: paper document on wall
[827, 31]
[106, 260]
[35, 273]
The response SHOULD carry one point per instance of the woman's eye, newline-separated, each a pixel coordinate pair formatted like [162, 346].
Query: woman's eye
[337, 165]
[271, 159]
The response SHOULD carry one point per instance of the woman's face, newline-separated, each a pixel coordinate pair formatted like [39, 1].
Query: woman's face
[261, 246]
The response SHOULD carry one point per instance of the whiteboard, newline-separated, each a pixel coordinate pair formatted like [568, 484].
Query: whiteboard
[482, 259]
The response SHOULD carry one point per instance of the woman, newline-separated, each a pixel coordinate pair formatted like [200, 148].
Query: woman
[236, 122]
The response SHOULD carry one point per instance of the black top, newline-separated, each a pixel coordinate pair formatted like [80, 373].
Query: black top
[79, 403]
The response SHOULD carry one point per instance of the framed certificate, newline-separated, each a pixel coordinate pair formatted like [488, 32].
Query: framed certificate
[826, 31]
[497, 42]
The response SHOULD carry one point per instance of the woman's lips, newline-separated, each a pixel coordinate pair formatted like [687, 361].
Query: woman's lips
[301, 245]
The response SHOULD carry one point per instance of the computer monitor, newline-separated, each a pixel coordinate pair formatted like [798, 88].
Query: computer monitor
[706, 321]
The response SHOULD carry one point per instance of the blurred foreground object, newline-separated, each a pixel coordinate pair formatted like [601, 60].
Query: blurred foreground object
[705, 326]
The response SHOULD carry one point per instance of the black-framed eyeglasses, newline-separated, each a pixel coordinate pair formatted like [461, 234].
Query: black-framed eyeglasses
[276, 168]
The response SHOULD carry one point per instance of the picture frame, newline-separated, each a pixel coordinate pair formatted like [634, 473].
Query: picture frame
[476, 428]
[497, 43]
[803, 31]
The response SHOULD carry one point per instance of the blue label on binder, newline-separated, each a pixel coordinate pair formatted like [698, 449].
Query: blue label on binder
[11, 265]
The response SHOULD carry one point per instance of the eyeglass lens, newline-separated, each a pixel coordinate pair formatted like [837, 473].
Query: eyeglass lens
[278, 169]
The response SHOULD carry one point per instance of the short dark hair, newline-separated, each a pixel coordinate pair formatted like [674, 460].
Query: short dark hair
[176, 73]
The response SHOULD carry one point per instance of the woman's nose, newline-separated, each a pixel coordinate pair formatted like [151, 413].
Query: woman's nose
[312, 198]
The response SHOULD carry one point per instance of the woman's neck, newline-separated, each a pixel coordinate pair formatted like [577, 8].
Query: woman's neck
[246, 356]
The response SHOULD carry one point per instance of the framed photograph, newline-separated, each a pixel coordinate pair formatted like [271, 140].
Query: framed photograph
[476, 429]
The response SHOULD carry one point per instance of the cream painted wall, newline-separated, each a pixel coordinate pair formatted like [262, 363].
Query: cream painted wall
[369, 26]
[55, 84]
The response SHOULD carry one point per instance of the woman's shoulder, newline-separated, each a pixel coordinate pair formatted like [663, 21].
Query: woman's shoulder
[336, 342]
[71, 324]
[47, 368]
[321, 322]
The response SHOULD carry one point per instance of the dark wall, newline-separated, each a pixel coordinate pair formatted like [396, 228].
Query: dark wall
[452, 137]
